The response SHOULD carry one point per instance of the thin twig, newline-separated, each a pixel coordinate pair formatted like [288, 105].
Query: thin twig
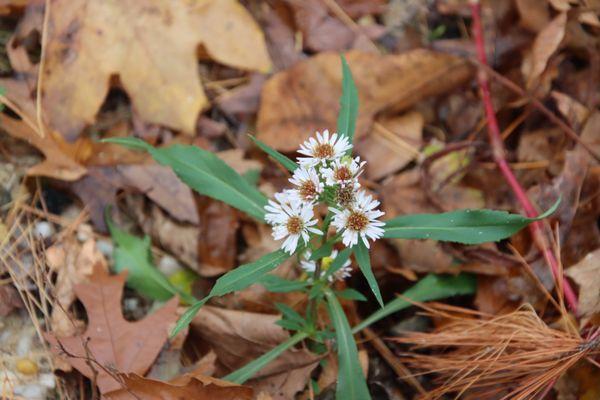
[497, 145]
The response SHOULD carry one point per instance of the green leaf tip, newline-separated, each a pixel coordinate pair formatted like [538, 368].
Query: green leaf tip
[346, 123]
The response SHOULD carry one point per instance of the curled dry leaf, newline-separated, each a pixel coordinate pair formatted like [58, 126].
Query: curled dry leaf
[73, 263]
[188, 387]
[111, 344]
[303, 99]
[239, 337]
[545, 45]
[163, 187]
[57, 164]
[587, 275]
[152, 46]
[393, 143]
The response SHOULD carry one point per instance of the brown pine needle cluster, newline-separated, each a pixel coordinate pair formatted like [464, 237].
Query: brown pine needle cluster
[514, 356]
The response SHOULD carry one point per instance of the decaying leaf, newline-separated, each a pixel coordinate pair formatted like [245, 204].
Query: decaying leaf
[239, 337]
[74, 263]
[57, 164]
[393, 143]
[152, 47]
[163, 187]
[545, 45]
[303, 99]
[110, 343]
[189, 387]
[587, 275]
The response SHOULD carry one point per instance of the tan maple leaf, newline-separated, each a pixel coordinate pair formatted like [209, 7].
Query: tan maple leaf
[111, 344]
[152, 46]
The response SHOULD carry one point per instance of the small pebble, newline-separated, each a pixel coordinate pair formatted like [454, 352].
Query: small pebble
[44, 229]
[168, 265]
[84, 232]
[26, 366]
[105, 247]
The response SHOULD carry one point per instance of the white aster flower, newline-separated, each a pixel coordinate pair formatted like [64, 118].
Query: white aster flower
[324, 148]
[359, 220]
[344, 172]
[291, 220]
[341, 274]
[275, 207]
[308, 184]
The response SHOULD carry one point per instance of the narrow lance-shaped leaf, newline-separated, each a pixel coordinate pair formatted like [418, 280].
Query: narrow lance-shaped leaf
[462, 226]
[351, 384]
[249, 370]
[346, 123]
[364, 263]
[280, 158]
[205, 173]
[133, 255]
[432, 287]
[236, 279]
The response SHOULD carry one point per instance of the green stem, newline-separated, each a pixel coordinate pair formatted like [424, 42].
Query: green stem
[249, 370]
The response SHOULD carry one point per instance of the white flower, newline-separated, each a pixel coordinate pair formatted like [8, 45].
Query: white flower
[274, 208]
[308, 184]
[324, 148]
[344, 172]
[291, 220]
[359, 220]
[341, 274]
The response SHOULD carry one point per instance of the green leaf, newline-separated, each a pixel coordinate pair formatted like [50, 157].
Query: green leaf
[289, 313]
[323, 251]
[276, 284]
[351, 384]
[249, 370]
[346, 123]
[280, 158]
[133, 255]
[364, 263]
[205, 173]
[350, 294]
[236, 279]
[247, 274]
[432, 287]
[462, 226]
[188, 316]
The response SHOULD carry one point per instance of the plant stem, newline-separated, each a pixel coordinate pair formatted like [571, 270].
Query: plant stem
[499, 157]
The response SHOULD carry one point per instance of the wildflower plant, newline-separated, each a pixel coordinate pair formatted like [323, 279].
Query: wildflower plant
[324, 219]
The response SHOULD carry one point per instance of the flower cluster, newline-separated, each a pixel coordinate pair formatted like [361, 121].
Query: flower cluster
[327, 175]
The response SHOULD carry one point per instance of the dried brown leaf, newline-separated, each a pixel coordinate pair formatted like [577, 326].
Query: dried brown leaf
[305, 98]
[587, 275]
[110, 343]
[239, 337]
[189, 387]
[152, 46]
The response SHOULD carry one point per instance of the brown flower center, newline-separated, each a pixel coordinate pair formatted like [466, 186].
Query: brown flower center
[308, 190]
[357, 221]
[343, 174]
[344, 195]
[295, 225]
[323, 150]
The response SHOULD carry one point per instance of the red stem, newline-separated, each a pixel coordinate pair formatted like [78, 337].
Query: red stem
[499, 157]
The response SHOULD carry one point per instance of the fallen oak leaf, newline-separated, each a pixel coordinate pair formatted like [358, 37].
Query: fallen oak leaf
[187, 387]
[152, 46]
[111, 343]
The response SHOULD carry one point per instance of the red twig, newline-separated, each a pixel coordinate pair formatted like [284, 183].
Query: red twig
[497, 145]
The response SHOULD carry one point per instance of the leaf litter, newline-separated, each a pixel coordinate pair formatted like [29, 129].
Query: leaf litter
[209, 73]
